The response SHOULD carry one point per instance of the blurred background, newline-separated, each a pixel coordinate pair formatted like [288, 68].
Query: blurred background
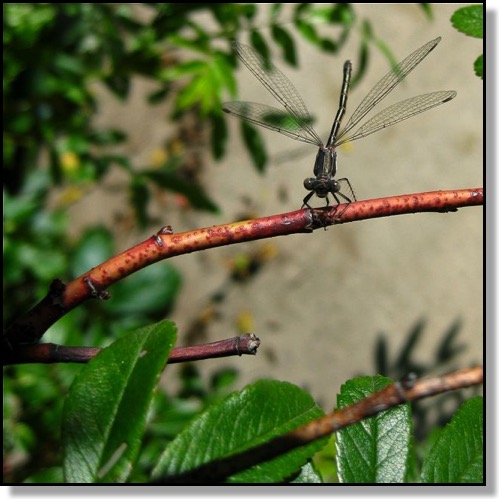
[113, 128]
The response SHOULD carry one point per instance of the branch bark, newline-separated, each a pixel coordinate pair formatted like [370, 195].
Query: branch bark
[62, 298]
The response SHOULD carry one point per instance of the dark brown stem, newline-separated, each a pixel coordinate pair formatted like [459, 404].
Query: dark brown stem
[50, 353]
[63, 298]
[391, 396]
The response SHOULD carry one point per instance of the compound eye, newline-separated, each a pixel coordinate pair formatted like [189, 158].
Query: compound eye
[309, 184]
[334, 186]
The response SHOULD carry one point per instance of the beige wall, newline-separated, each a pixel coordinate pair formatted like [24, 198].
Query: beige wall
[321, 303]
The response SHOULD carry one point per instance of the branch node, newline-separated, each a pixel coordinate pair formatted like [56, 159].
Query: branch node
[102, 295]
[157, 240]
[165, 230]
[253, 344]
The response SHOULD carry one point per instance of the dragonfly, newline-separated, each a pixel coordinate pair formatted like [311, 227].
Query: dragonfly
[295, 120]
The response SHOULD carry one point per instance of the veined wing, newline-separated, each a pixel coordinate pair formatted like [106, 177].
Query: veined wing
[399, 112]
[386, 85]
[279, 86]
[272, 118]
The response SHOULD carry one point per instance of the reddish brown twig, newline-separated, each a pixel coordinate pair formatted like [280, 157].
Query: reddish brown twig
[63, 298]
[436, 201]
[50, 353]
[391, 396]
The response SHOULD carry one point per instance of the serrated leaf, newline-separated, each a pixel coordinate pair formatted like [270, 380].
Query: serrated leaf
[242, 421]
[106, 408]
[375, 450]
[308, 474]
[457, 455]
[469, 20]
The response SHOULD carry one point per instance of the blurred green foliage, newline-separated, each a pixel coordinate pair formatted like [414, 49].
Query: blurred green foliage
[54, 55]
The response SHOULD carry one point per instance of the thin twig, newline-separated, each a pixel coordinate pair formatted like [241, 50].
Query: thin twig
[391, 396]
[50, 353]
[395, 394]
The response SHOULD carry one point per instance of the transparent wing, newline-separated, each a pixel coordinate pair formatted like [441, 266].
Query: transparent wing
[399, 112]
[280, 87]
[272, 118]
[386, 85]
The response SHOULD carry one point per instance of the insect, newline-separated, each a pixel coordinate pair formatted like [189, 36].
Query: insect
[295, 120]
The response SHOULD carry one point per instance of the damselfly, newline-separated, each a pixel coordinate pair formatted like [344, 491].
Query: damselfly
[295, 121]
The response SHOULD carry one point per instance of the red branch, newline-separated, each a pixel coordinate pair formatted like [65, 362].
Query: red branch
[63, 298]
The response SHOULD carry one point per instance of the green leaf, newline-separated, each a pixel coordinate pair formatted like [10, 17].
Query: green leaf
[479, 66]
[426, 8]
[118, 84]
[386, 51]
[224, 73]
[457, 456]
[308, 474]
[469, 20]
[275, 10]
[139, 199]
[174, 182]
[307, 30]
[192, 93]
[223, 379]
[51, 475]
[242, 421]
[112, 136]
[152, 290]
[260, 45]
[283, 38]
[375, 450]
[363, 61]
[159, 95]
[218, 135]
[192, 67]
[106, 408]
[94, 247]
[255, 145]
